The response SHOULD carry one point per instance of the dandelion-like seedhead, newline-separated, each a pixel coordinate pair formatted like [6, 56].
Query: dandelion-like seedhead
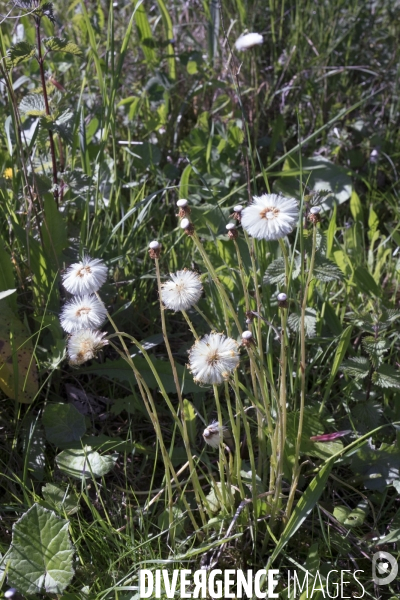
[213, 434]
[182, 291]
[82, 312]
[270, 216]
[86, 276]
[83, 345]
[244, 42]
[213, 358]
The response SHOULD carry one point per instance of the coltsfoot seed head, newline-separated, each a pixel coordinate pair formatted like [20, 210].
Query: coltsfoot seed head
[237, 212]
[86, 276]
[314, 214]
[184, 208]
[187, 226]
[82, 312]
[154, 249]
[213, 434]
[83, 345]
[232, 231]
[213, 358]
[282, 300]
[247, 338]
[244, 42]
[270, 217]
[182, 291]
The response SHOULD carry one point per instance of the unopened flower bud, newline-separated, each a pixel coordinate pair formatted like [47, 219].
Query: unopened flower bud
[282, 300]
[187, 226]
[154, 249]
[237, 212]
[314, 216]
[184, 209]
[247, 338]
[232, 231]
[249, 317]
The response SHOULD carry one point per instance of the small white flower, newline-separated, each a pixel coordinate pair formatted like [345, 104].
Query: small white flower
[282, 297]
[84, 344]
[214, 434]
[182, 203]
[182, 291]
[213, 358]
[85, 277]
[244, 42]
[270, 216]
[315, 210]
[82, 312]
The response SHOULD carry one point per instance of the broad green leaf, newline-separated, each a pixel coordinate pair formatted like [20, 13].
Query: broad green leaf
[326, 270]
[63, 423]
[356, 517]
[146, 39]
[313, 424]
[19, 53]
[356, 206]
[275, 272]
[61, 45]
[32, 105]
[341, 513]
[85, 462]
[321, 174]
[40, 559]
[366, 282]
[386, 377]
[190, 420]
[310, 322]
[59, 500]
[357, 367]
[18, 373]
[377, 468]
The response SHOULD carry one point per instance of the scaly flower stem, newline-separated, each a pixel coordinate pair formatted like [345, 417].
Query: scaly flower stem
[189, 322]
[296, 468]
[186, 441]
[40, 60]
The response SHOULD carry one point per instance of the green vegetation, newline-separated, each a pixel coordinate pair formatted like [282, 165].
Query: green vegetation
[118, 459]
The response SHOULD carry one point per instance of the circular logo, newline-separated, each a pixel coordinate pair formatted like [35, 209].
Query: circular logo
[384, 568]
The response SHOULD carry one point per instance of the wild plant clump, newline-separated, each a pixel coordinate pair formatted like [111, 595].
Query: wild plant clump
[199, 294]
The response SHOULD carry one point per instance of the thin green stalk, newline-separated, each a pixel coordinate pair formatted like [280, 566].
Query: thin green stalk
[189, 322]
[296, 468]
[226, 303]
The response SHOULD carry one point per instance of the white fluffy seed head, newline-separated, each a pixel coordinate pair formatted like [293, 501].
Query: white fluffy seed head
[182, 203]
[213, 434]
[270, 216]
[315, 210]
[247, 335]
[213, 358]
[85, 277]
[282, 297]
[244, 42]
[83, 345]
[185, 223]
[154, 245]
[182, 291]
[82, 312]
